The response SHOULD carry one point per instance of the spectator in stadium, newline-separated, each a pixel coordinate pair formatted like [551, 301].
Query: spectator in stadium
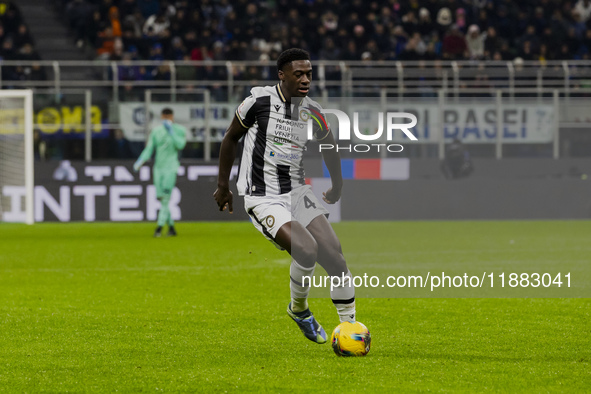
[526, 52]
[236, 50]
[401, 39]
[186, 72]
[454, 44]
[177, 50]
[521, 24]
[178, 23]
[2, 34]
[425, 25]
[222, 8]
[583, 8]
[22, 36]
[134, 22]
[504, 24]
[443, 20]
[252, 22]
[329, 50]
[27, 53]
[128, 71]
[382, 40]
[162, 73]
[351, 52]
[107, 43]
[414, 49]
[115, 22]
[578, 26]
[218, 51]
[93, 29]
[531, 36]
[539, 21]
[211, 73]
[156, 54]
[10, 17]
[492, 43]
[7, 51]
[461, 19]
[475, 42]
[157, 25]
[14, 38]
[543, 55]
[330, 21]
[410, 23]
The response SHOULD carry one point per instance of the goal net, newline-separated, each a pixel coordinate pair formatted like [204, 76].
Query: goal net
[16, 156]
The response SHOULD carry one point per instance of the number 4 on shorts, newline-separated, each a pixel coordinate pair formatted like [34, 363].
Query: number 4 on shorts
[308, 203]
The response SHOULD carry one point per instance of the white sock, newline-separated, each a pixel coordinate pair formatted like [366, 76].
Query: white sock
[299, 293]
[343, 298]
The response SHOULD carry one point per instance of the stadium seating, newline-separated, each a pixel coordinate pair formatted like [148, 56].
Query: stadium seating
[333, 29]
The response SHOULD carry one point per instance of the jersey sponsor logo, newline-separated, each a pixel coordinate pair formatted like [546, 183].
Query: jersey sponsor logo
[292, 123]
[277, 107]
[281, 140]
[287, 135]
[291, 156]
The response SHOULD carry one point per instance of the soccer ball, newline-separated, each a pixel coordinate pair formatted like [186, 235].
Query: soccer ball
[351, 339]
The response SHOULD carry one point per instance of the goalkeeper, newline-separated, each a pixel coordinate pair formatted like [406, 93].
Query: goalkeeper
[167, 139]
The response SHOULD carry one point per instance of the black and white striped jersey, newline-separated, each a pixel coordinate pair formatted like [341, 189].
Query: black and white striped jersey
[275, 141]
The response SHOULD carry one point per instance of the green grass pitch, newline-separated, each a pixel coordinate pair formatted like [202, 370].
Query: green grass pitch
[105, 307]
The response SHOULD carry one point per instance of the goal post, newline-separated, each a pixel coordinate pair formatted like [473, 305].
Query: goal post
[16, 156]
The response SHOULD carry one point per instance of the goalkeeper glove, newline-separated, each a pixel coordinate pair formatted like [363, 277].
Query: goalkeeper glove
[137, 165]
[168, 126]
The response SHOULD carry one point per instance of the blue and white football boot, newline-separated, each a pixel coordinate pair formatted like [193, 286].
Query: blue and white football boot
[308, 324]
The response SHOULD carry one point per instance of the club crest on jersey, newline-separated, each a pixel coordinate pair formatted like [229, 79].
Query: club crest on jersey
[270, 220]
[304, 115]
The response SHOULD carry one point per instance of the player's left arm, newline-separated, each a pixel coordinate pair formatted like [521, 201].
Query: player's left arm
[332, 159]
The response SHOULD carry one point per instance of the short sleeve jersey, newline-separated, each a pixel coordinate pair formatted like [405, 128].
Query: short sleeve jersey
[275, 141]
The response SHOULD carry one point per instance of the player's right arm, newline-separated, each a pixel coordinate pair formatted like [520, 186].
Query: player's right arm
[146, 153]
[243, 120]
[223, 195]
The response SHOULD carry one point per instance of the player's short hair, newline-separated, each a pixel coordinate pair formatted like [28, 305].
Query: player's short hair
[167, 112]
[290, 55]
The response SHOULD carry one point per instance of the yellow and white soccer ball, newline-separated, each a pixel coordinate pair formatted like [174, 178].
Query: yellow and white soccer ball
[351, 339]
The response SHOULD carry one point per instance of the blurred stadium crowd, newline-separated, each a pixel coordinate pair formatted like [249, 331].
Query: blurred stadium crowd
[350, 30]
[16, 43]
[332, 29]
